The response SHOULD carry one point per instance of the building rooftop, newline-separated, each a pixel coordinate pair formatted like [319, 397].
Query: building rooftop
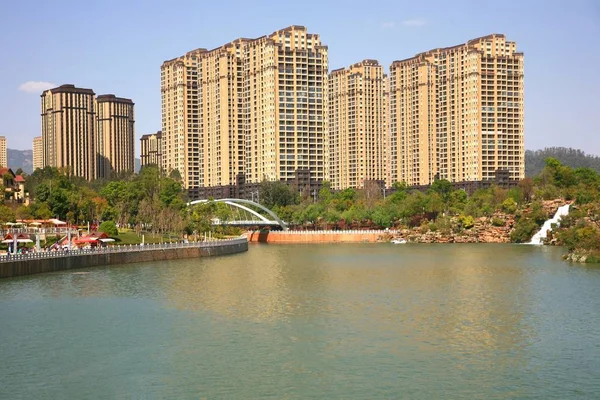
[158, 134]
[68, 88]
[112, 98]
[443, 49]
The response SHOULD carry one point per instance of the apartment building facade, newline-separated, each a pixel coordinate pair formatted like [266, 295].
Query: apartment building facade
[38, 156]
[250, 110]
[457, 113]
[3, 152]
[68, 128]
[356, 125]
[85, 136]
[114, 135]
[151, 149]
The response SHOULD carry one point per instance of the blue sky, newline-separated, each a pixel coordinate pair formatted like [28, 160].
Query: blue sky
[118, 47]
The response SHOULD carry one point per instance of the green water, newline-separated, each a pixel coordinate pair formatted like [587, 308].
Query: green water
[368, 321]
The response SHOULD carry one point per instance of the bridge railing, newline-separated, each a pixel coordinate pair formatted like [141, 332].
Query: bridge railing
[119, 249]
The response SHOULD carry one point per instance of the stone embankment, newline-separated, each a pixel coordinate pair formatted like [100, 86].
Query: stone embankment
[296, 237]
[35, 263]
[493, 229]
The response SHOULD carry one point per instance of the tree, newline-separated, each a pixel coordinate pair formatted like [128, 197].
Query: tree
[276, 193]
[372, 193]
[6, 214]
[399, 194]
[175, 175]
[535, 160]
[444, 188]
[560, 175]
[325, 194]
[434, 204]
[59, 202]
[526, 186]
[121, 198]
[40, 210]
[23, 212]
[109, 227]
[170, 192]
[382, 217]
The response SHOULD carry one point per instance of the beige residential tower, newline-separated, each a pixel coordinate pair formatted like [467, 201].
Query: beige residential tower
[114, 136]
[68, 128]
[151, 149]
[456, 113]
[250, 110]
[86, 136]
[38, 156]
[3, 152]
[356, 125]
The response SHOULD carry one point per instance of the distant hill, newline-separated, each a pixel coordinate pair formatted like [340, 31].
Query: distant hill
[535, 160]
[20, 159]
[24, 159]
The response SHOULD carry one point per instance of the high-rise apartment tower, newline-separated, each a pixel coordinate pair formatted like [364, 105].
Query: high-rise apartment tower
[456, 113]
[114, 135]
[86, 136]
[68, 127]
[252, 109]
[3, 152]
[38, 156]
[356, 125]
[150, 149]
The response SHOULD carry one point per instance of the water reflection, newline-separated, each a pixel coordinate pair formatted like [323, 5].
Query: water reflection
[259, 288]
[466, 301]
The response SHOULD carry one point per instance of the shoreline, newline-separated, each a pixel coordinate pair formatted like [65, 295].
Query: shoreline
[37, 263]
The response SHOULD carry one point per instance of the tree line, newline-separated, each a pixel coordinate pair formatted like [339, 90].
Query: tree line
[153, 202]
[535, 161]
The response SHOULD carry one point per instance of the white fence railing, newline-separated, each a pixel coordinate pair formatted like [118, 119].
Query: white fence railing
[341, 232]
[119, 249]
[38, 231]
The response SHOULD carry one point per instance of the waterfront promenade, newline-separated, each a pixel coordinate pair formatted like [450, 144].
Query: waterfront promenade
[50, 261]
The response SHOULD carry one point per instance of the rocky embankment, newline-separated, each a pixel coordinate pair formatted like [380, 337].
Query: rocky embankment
[493, 229]
[484, 230]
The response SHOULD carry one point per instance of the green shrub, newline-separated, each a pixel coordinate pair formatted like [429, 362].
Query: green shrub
[509, 206]
[550, 192]
[466, 221]
[594, 257]
[584, 197]
[524, 230]
[109, 228]
[581, 236]
[498, 221]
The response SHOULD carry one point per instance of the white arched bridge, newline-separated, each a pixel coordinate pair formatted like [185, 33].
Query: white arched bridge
[246, 213]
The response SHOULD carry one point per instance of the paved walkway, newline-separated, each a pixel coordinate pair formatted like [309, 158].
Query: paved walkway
[118, 249]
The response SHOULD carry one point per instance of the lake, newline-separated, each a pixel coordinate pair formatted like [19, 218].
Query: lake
[351, 321]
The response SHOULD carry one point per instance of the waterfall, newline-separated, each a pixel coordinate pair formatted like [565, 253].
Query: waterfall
[539, 237]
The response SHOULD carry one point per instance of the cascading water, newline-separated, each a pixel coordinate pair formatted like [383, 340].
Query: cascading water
[539, 237]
